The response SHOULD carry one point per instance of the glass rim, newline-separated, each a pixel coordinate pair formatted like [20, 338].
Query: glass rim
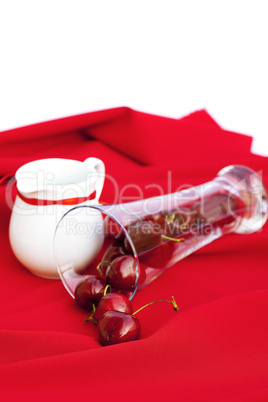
[100, 208]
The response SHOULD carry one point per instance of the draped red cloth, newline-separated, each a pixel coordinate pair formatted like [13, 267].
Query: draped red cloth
[214, 349]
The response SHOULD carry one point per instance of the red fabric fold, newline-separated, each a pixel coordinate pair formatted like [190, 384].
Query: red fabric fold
[215, 348]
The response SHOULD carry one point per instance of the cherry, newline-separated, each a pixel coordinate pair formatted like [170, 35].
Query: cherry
[114, 250]
[112, 229]
[144, 235]
[178, 223]
[152, 237]
[157, 217]
[230, 209]
[159, 257]
[89, 292]
[117, 327]
[216, 207]
[220, 210]
[114, 302]
[121, 273]
[173, 223]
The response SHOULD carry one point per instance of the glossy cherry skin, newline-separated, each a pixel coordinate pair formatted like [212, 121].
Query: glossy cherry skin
[114, 302]
[117, 327]
[114, 250]
[158, 218]
[172, 224]
[178, 223]
[121, 273]
[112, 229]
[220, 210]
[89, 291]
[158, 257]
[145, 235]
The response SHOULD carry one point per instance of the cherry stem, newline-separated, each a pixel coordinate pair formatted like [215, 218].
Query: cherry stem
[173, 302]
[87, 319]
[106, 289]
[170, 217]
[172, 238]
[98, 267]
[134, 213]
[183, 226]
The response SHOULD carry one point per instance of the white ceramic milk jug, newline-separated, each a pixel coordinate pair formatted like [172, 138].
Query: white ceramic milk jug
[47, 189]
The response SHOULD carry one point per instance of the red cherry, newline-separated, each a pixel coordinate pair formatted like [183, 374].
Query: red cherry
[89, 291]
[159, 257]
[114, 250]
[230, 209]
[158, 218]
[145, 235]
[121, 273]
[219, 210]
[112, 229]
[115, 302]
[179, 222]
[117, 327]
[216, 207]
[172, 224]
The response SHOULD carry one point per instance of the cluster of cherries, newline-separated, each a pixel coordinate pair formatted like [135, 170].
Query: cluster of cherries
[111, 312]
[106, 293]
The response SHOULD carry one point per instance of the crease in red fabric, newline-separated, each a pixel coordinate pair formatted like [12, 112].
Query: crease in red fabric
[213, 349]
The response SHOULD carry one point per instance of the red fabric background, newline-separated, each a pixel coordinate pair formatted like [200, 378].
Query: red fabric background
[215, 348]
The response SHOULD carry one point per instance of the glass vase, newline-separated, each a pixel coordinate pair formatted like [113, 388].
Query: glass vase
[157, 232]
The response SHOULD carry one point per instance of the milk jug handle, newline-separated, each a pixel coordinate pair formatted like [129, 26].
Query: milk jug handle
[99, 166]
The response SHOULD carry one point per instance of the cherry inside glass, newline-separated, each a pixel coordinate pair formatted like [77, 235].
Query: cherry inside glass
[160, 231]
